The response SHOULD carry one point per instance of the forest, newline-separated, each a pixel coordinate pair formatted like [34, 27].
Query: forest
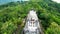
[13, 13]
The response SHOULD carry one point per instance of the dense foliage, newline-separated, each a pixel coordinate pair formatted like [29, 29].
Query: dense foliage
[12, 15]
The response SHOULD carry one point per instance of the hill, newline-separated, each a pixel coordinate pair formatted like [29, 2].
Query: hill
[12, 15]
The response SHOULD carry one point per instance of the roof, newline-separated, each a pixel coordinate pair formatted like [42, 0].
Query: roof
[32, 14]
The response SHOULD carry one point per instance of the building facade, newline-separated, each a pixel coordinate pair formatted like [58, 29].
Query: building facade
[32, 24]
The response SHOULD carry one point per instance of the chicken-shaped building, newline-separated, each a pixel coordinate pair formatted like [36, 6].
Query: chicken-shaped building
[32, 24]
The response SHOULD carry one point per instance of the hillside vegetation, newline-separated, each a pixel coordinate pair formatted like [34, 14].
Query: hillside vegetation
[12, 15]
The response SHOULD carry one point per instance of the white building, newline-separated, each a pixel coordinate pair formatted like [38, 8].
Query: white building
[32, 24]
